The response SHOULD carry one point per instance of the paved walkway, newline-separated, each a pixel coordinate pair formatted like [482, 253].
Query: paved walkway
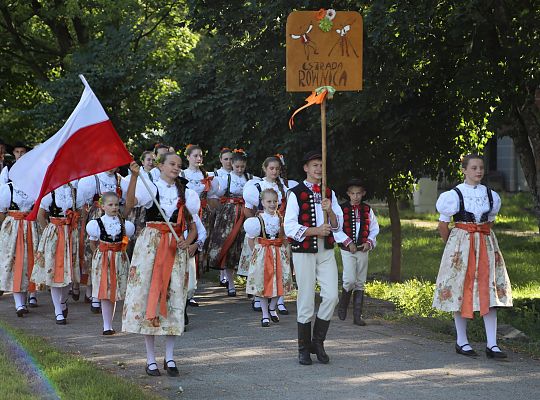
[227, 355]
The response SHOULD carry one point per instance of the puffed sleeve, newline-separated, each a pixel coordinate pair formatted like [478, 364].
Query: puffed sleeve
[496, 207]
[5, 198]
[252, 226]
[251, 195]
[124, 183]
[4, 176]
[193, 202]
[86, 189]
[143, 197]
[130, 228]
[219, 185]
[92, 229]
[46, 202]
[447, 205]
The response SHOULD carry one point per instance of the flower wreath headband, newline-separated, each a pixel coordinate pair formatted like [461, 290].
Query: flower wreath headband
[240, 151]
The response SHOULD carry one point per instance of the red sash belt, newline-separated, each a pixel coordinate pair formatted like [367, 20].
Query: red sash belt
[71, 220]
[108, 249]
[483, 270]
[272, 245]
[19, 251]
[239, 221]
[162, 269]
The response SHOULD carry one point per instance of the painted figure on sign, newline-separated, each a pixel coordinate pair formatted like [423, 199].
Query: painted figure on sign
[344, 42]
[309, 45]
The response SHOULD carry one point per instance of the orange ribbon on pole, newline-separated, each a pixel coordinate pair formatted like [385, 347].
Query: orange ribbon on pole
[239, 220]
[269, 262]
[483, 270]
[316, 97]
[71, 220]
[19, 249]
[108, 249]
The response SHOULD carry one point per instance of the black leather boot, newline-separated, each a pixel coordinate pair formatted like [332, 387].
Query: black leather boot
[358, 302]
[343, 304]
[317, 343]
[304, 343]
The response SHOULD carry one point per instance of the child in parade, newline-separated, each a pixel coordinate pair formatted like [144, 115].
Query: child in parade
[269, 273]
[361, 229]
[19, 240]
[472, 275]
[156, 291]
[313, 256]
[225, 244]
[109, 237]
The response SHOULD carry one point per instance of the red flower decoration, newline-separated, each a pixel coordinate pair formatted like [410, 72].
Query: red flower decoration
[307, 224]
[305, 245]
[364, 234]
[366, 215]
[316, 189]
[346, 210]
[305, 217]
[304, 196]
[328, 193]
[319, 15]
[305, 206]
[346, 217]
[331, 240]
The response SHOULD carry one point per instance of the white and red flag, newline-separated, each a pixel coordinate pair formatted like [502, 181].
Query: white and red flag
[86, 145]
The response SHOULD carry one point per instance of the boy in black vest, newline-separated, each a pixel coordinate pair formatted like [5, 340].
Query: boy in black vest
[313, 255]
[361, 227]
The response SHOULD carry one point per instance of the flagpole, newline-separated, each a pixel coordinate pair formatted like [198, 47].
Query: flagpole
[159, 208]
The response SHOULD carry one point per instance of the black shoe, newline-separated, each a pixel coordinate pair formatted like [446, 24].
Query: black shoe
[495, 354]
[152, 372]
[65, 311]
[254, 307]
[344, 304]
[186, 318]
[109, 332]
[60, 321]
[224, 283]
[274, 318]
[87, 299]
[32, 302]
[358, 302]
[20, 312]
[317, 341]
[282, 309]
[1, 292]
[304, 343]
[265, 322]
[193, 303]
[468, 353]
[95, 309]
[231, 292]
[75, 294]
[171, 371]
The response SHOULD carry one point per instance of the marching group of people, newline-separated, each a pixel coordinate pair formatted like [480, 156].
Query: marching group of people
[145, 238]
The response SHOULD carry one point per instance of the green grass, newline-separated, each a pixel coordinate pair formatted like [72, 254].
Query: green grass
[72, 377]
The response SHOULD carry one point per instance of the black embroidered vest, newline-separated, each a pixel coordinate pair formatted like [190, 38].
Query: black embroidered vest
[349, 223]
[153, 214]
[466, 216]
[54, 210]
[307, 217]
[264, 233]
[105, 237]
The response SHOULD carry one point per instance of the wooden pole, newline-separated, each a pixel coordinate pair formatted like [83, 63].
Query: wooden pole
[323, 151]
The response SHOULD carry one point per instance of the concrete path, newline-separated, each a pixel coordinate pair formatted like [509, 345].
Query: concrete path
[225, 354]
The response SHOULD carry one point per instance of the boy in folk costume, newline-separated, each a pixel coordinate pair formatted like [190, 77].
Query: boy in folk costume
[57, 258]
[313, 256]
[361, 229]
[109, 236]
[18, 151]
[472, 275]
[269, 273]
[19, 240]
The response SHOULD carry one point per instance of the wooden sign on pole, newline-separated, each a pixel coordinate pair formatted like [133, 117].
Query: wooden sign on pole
[318, 58]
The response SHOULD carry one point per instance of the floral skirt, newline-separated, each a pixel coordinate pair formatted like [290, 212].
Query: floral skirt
[208, 217]
[137, 217]
[224, 223]
[256, 276]
[121, 261]
[450, 281]
[45, 262]
[245, 257]
[138, 288]
[94, 212]
[8, 241]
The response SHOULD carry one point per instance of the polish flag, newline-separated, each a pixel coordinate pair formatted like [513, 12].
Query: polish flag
[86, 145]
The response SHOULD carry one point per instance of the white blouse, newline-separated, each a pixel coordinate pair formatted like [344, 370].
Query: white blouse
[219, 185]
[112, 227]
[220, 172]
[86, 188]
[20, 198]
[168, 197]
[272, 223]
[195, 180]
[63, 199]
[475, 200]
[252, 195]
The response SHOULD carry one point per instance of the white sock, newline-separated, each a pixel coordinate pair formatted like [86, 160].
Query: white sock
[281, 303]
[56, 295]
[461, 330]
[149, 341]
[272, 306]
[169, 349]
[32, 294]
[256, 299]
[96, 302]
[107, 313]
[490, 323]
[222, 275]
[264, 307]
[88, 291]
[19, 300]
[229, 274]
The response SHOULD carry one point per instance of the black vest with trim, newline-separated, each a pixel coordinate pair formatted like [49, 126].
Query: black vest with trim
[264, 233]
[12, 205]
[54, 210]
[349, 222]
[153, 214]
[468, 217]
[307, 217]
[105, 237]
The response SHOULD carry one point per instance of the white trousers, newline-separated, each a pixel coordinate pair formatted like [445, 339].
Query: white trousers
[355, 268]
[312, 268]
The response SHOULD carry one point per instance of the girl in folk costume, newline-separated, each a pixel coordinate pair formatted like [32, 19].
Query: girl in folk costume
[157, 281]
[19, 241]
[472, 275]
[201, 183]
[57, 257]
[225, 243]
[89, 191]
[269, 273]
[109, 236]
[271, 168]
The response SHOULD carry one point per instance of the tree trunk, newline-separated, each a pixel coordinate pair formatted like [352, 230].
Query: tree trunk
[395, 223]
